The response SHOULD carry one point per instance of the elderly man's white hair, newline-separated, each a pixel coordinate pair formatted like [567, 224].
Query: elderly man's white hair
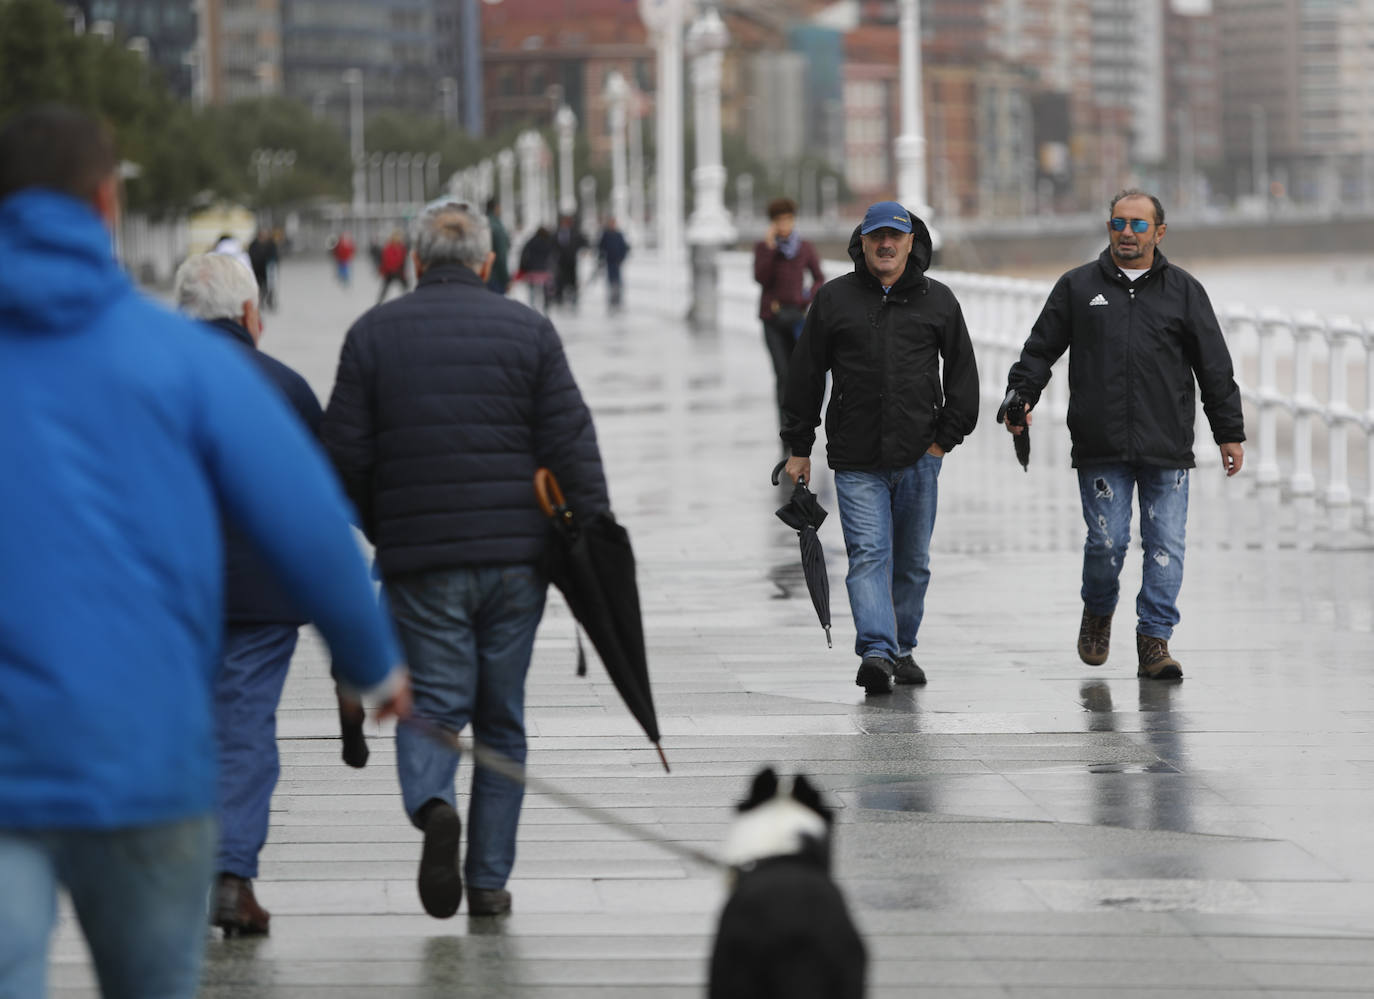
[214, 286]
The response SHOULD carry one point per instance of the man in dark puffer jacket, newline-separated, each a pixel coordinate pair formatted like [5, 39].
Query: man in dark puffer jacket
[447, 401]
[883, 331]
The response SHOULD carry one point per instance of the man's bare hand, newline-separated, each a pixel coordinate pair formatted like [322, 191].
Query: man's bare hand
[1015, 429]
[400, 703]
[936, 450]
[770, 238]
[1232, 457]
[798, 468]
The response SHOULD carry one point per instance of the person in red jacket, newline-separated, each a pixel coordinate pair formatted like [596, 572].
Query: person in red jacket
[781, 260]
[393, 264]
[342, 252]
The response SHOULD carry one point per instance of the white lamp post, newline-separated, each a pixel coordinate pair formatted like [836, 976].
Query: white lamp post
[709, 228]
[565, 122]
[505, 168]
[910, 146]
[617, 94]
[587, 188]
[635, 223]
[664, 20]
[527, 144]
[354, 80]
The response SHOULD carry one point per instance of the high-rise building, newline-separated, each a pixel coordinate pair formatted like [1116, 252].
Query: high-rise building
[169, 28]
[1192, 97]
[241, 45]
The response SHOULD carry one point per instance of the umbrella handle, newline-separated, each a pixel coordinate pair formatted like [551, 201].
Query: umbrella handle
[778, 468]
[547, 493]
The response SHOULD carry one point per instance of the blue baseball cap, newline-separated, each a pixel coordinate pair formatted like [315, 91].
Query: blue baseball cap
[885, 215]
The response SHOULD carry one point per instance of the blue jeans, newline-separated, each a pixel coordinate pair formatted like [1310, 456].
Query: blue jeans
[139, 895]
[248, 686]
[468, 634]
[1106, 494]
[887, 518]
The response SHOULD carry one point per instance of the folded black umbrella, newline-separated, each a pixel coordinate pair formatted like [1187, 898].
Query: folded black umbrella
[804, 513]
[1013, 413]
[592, 563]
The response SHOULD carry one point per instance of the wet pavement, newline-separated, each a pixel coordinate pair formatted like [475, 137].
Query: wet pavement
[1024, 826]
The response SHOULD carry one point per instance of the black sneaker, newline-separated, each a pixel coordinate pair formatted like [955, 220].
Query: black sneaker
[906, 671]
[488, 901]
[875, 675]
[440, 883]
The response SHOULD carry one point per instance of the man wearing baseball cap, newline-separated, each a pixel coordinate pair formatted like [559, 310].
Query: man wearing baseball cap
[882, 332]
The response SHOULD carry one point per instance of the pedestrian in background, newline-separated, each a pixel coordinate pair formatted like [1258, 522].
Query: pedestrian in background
[568, 244]
[391, 265]
[263, 254]
[342, 251]
[905, 394]
[261, 621]
[1144, 338]
[536, 267]
[782, 259]
[136, 430]
[499, 281]
[612, 249]
[446, 403]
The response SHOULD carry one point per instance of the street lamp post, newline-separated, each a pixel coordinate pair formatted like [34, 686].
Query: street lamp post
[354, 80]
[1259, 152]
[910, 146]
[587, 188]
[709, 228]
[565, 122]
[448, 96]
[527, 145]
[664, 20]
[617, 94]
[505, 168]
[635, 223]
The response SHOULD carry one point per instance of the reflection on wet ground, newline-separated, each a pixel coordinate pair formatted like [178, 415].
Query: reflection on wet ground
[1023, 826]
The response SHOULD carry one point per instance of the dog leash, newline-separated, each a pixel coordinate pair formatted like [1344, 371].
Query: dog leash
[499, 763]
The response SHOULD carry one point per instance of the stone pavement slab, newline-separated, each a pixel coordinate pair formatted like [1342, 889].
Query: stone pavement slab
[1024, 826]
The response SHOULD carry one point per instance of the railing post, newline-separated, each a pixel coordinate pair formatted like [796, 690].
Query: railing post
[1338, 416]
[1267, 400]
[1368, 424]
[1304, 405]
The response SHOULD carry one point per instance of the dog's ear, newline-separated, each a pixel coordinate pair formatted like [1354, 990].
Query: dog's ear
[806, 794]
[765, 786]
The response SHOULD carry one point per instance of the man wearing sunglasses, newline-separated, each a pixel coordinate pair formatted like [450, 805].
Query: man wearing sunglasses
[1142, 332]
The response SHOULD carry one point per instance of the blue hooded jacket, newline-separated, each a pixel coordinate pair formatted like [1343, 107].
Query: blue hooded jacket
[124, 429]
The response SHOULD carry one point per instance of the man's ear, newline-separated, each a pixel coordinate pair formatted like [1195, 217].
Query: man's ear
[106, 201]
[419, 267]
[252, 319]
[484, 272]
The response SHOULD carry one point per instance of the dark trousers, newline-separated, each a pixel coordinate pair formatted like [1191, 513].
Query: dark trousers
[779, 341]
[386, 285]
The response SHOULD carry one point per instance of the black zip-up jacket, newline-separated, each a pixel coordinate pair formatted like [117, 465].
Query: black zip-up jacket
[1137, 346]
[888, 403]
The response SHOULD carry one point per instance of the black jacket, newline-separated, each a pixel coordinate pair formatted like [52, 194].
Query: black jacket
[446, 402]
[888, 404]
[1137, 347]
[251, 592]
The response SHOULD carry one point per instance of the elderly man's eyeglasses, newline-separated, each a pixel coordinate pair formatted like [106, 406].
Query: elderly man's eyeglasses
[1137, 225]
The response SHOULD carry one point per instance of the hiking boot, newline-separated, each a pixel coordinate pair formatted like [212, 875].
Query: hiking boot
[236, 910]
[1094, 638]
[440, 883]
[905, 670]
[1155, 661]
[875, 675]
[488, 901]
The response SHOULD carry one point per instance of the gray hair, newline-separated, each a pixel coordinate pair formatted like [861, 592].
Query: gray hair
[214, 286]
[452, 233]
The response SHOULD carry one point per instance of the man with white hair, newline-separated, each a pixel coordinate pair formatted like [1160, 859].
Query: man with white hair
[261, 622]
[446, 402]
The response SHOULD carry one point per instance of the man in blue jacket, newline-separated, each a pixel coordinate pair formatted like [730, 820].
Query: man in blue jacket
[125, 430]
[261, 622]
[446, 403]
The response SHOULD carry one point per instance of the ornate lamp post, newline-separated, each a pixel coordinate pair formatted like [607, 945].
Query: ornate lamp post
[635, 223]
[565, 122]
[664, 20]
[617, 94]
[505, 167]
[709, 228]
[528, 144]
[910, 146]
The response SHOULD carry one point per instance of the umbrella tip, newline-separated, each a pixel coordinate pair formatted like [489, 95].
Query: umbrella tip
[828, 643]
[663, 759]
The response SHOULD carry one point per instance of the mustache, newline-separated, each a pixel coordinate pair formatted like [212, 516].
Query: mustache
[886, 251]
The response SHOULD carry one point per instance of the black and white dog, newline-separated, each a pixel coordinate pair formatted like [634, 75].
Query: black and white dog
[785, 932]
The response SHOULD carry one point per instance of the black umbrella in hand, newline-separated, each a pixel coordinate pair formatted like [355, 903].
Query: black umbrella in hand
[1013, 411]
[804, 513]
[592, 562]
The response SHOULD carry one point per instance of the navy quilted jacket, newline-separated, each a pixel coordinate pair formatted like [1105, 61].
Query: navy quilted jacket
[446, 401]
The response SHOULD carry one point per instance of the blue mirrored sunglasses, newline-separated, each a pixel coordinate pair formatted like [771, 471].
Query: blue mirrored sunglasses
[1137, 225]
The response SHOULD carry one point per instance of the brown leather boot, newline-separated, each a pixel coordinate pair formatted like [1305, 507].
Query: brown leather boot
[236, 911]
[1155, 661]
[1094, 638]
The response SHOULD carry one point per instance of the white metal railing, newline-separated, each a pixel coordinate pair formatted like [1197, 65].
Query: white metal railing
[1309, 420]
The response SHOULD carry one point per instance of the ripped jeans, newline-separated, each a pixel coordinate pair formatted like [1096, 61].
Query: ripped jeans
[1106, 494]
